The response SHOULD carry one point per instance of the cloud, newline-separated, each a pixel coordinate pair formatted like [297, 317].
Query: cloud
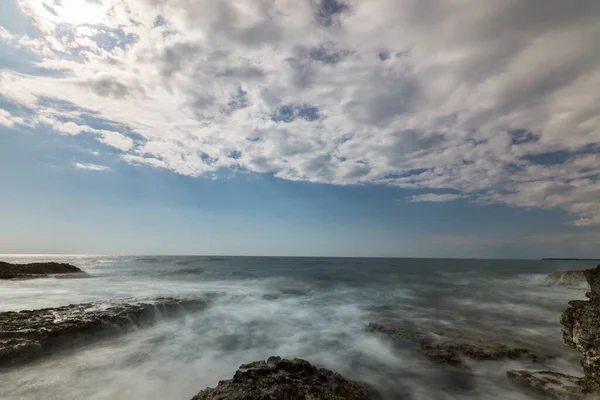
[92, 167]
[7, 119]
[491, 101]
[434, 198]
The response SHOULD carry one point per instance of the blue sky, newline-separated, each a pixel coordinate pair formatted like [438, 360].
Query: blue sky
[300, 128]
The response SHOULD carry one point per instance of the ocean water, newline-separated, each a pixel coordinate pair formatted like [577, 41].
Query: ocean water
[311, 308]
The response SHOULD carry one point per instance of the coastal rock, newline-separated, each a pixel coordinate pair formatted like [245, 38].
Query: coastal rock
[581, 331]
[401, 333]
[566, 278]
[549, 385]
[581, 327]
[455, 352]
[35, 270]
[282, 379]
[30, 334]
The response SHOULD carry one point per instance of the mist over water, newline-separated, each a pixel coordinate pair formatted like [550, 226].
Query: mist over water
[311, 308]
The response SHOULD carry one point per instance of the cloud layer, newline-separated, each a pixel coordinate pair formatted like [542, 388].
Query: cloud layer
[494, 102]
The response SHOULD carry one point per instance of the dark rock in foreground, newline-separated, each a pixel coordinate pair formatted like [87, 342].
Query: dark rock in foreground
[453, 352]
[30, 334]
[548, 384]
[35, 270]
[566, 278]
[281, 379]
[581, 331]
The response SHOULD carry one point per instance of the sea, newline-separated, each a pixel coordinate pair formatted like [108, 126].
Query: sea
[295, 307]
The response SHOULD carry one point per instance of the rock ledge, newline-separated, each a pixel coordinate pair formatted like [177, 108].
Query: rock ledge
[30, 334]
[35, 270]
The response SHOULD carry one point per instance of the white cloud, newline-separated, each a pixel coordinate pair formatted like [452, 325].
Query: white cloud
[7, 119]
[419, 95]
[92, 167]
[434, 198]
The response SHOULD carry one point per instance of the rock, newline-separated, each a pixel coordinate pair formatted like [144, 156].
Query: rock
[29, 334]
[456, 353]
[581, 327]
[549, 385]
[566, 278]
[35, 270]
[581, 331]
[282, 379]
[401, 333]
[453, 352]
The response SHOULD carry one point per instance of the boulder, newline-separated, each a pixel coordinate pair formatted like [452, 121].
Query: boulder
[282, 379]
[574, 278]
[35, 270]
[29, 334]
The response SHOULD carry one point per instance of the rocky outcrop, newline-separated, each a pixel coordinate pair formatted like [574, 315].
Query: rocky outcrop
[549, 384]
[581, 331]
[455, 352]
[282, 379]
[35, 270]
[581, 327]
[566, 278]
[29, 334]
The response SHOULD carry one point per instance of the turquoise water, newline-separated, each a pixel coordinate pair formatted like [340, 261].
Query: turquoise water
[312, 308]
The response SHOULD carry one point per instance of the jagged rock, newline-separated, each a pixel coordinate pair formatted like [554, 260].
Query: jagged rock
[566, 278]
[581, 331]
[549, 385]
[35, 270]
[581, 327]
[453, 351]
[282, 379]
[29, 334]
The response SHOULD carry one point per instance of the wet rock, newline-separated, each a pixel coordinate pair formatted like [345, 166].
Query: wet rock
[455, 352]
[566, 278]
[29, 334]
[282, 379]
[549, 385]
[581, 331]
[581, 327]
[35, 270]
[401, 333]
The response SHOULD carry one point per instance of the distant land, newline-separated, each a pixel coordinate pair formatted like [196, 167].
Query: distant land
[571, 259]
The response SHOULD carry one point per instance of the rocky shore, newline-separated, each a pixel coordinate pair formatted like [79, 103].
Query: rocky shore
[36, 270]
[282, 379]
[581, 331]
[30, 334]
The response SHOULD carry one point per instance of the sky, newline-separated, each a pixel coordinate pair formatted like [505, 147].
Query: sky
[409, 128]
